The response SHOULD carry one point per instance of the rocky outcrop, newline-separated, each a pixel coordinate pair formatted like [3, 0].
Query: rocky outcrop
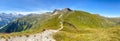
[66, 10]
[57, 11]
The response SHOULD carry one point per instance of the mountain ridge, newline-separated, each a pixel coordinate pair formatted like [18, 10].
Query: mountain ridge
[77, 17]
[75, 26]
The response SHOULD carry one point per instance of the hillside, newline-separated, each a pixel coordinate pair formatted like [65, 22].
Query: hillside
[24, 23]
[116, 20]
[77, 26]
[75, 20]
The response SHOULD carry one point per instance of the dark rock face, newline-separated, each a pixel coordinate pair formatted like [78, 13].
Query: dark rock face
[66, 9]
[56, 11]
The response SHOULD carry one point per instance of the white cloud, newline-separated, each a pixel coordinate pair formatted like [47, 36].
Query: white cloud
[37, 12]
[26, 12]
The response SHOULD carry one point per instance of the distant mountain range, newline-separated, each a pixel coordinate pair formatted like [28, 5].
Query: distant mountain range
[7, 18]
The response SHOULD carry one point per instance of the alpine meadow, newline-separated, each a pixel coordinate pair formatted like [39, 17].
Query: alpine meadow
[56, 20]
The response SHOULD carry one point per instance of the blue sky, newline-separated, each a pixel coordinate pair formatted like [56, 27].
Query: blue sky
[109, 8]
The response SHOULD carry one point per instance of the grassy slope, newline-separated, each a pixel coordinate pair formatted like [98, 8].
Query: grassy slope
[78, 26]
[82, 26]
[110, 34]
[90, 28]
[76, 20]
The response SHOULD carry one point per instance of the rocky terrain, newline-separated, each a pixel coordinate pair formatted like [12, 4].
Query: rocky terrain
[44, 36]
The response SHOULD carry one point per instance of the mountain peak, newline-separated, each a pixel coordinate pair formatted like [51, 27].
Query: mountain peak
[57, 11]
[66, 9]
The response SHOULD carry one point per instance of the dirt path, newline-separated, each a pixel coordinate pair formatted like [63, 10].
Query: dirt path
[44, 36]
[61, 22]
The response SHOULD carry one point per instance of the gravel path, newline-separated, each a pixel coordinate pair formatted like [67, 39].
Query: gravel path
[44, 36]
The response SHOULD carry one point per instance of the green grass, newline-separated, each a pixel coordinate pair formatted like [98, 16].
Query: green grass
[90, 34]
[78, 26]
